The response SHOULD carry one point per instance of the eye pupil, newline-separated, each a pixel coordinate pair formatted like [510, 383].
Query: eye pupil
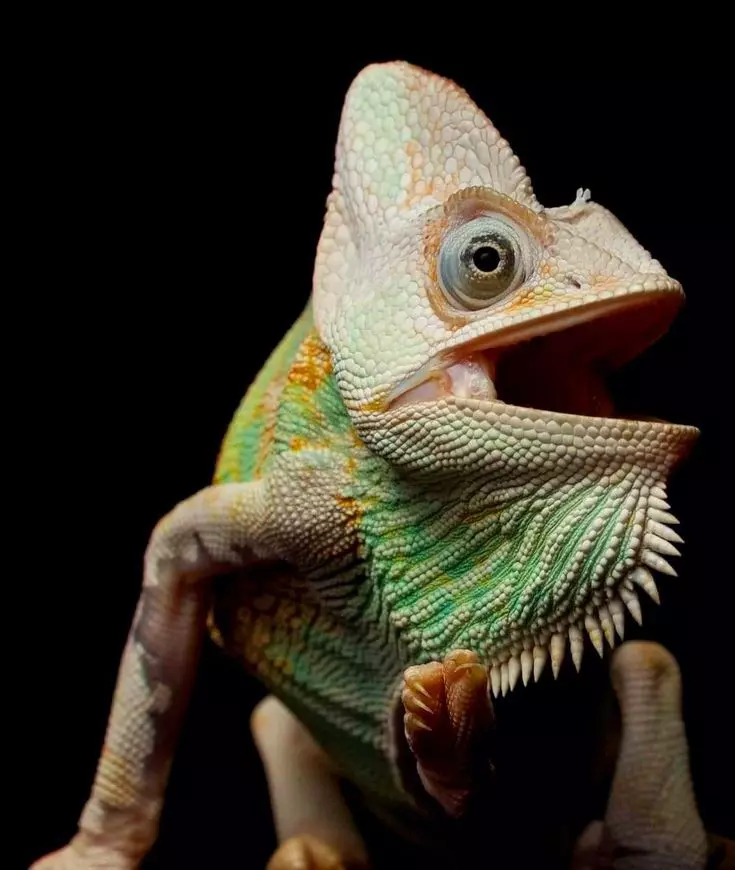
[486, 258]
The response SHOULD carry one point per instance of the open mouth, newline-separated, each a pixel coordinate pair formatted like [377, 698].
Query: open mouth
[561, 363]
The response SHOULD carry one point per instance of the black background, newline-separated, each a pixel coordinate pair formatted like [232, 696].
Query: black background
[177, 194]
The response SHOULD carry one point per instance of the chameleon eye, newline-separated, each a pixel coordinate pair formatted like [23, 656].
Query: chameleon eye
[482, 260]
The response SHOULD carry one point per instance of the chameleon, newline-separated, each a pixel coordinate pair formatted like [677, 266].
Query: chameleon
[425, 500]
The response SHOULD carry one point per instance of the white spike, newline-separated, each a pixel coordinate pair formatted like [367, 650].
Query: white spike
[659, 503]
[662, 517]
[504, 678]
[658, 563]
[615, 606]
[607, 624]
[593, 630]
[643, 578]
[514, 671]
[662, 531]
[558, 644]
[658, 492]
[630, 600]
[576, 644]
[540, 657]
[659, 545]
[526, 666]
[495, 680]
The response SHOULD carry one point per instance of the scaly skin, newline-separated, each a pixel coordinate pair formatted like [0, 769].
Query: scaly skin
[382, 503]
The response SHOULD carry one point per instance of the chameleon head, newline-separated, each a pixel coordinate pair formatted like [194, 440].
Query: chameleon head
[470, 330]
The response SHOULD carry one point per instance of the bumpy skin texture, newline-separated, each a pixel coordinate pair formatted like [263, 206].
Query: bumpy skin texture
[377, 502]
[571, 505]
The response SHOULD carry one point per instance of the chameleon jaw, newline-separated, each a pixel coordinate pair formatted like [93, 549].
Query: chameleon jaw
[589, 500]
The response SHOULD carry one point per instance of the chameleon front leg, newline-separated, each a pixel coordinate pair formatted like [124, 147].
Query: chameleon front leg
[448, 715]
[212, 531]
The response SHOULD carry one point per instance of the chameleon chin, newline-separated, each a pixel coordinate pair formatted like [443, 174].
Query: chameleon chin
[426, 498]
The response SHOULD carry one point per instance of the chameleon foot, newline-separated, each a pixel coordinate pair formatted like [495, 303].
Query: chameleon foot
[305, 853]
[447, 716]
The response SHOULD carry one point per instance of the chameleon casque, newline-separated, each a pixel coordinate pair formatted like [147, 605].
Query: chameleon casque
[424, 497]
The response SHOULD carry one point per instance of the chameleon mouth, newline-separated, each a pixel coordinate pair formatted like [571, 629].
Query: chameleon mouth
[561, 364]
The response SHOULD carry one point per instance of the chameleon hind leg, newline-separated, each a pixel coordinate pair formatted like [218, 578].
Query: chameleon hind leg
[448, 714]
[314, 826]
[212, 531]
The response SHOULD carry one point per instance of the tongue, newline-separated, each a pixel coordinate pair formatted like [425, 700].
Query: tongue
[470, 378]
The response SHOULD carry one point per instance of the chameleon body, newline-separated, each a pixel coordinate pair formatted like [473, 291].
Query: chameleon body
[428, 462]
